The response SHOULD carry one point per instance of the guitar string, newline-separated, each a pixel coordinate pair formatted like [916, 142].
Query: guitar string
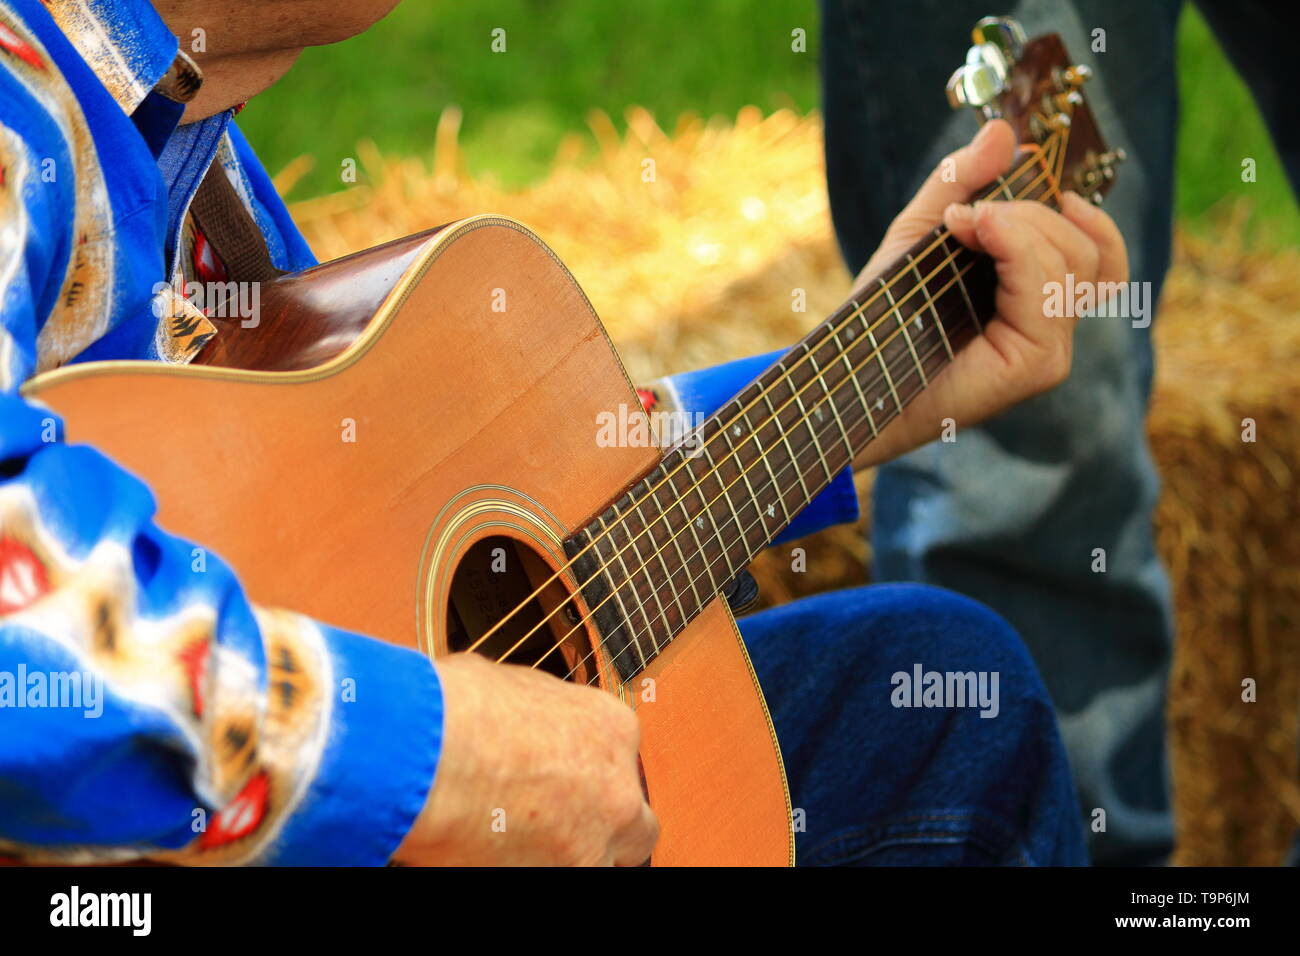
[764, 484]
[742, 473]
[698, 485]
[658, 551]
[1035, 155]
[771, 483]
[940, 239]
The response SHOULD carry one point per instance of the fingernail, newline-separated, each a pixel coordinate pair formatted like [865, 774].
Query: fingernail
[982, 135]
[988, 212]
[958, 212]
[1081, 205]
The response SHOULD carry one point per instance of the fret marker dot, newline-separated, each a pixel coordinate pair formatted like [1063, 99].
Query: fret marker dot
[849, 333]
[771, 511]
[820, 415]
[736, 431]
[699, 522]
[918, 321]
[880, 404]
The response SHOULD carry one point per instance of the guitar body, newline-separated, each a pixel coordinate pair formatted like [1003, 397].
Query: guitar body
[396, 420]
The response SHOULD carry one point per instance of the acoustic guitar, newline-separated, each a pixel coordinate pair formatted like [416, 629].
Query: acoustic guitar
[392, 452]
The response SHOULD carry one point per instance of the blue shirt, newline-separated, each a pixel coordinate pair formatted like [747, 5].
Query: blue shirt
[147, 708]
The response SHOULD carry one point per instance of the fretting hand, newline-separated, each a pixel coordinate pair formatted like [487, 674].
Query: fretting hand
[1023, 351]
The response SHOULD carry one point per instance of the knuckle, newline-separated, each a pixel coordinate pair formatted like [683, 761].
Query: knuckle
[626, 727]
[651, 832]
[1091, 256]
[1056, 368]
[570, 849]
[627, 809]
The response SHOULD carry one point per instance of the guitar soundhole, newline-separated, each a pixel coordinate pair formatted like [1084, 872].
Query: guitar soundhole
[497, 576]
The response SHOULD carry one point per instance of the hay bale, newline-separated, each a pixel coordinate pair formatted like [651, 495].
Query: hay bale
[692, 259]
[1228, 526]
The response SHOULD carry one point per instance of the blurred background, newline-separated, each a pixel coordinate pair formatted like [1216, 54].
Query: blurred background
[697, 267]
[569, 57]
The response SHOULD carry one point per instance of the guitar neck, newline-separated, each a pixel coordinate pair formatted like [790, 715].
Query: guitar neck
[678, 536]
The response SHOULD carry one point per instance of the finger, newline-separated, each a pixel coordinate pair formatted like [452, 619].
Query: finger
[1016, 249]
[960, 220]
[955, 179]
[1112, 256]
[1077, 248]
[960, 174]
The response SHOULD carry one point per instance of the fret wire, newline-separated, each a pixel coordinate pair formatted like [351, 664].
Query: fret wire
[880, 354]
[907, 336]
[723, 494]
[680, 502]
[830, 475]
[933, 306]
[970, 306]
[785, 438]
[1002, 184]
[639, 603]
[780, 497]
[644, 566]
[744, 476]
[698, 487]
[699, 602]
[866, 406]
[659, 555]
[830, 402]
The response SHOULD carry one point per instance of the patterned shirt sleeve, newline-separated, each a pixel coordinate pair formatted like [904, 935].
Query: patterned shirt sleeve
[147, 708]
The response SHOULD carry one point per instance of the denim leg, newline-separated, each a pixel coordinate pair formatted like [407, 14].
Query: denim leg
[1012, 512]
[882, 784]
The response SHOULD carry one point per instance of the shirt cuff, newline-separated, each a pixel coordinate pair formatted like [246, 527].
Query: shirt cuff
[706, 390]
[378, 763]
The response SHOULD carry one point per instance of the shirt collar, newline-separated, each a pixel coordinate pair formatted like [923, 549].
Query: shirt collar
[129, 48]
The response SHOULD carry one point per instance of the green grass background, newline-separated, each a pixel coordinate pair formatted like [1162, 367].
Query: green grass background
[671, 56]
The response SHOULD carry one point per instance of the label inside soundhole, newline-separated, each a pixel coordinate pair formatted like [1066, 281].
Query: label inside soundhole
[494, 582]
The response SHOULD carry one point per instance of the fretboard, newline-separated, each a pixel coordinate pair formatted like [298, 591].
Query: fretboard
[682, 533]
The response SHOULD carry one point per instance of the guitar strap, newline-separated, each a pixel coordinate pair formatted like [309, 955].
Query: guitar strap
[229, 227]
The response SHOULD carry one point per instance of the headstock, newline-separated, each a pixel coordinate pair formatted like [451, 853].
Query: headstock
[1034, 86]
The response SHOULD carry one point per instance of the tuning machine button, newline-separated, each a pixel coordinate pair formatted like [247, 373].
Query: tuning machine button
[997, 45]
[1005, 33]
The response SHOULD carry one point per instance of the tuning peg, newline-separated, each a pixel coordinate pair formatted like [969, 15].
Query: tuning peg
[981, 80]
[1077, 75]
[1005, 33]
[1100, 168]
[998, 43]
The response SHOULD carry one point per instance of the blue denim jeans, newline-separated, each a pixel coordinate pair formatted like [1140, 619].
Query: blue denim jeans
[876, 783]
[1012, 512]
